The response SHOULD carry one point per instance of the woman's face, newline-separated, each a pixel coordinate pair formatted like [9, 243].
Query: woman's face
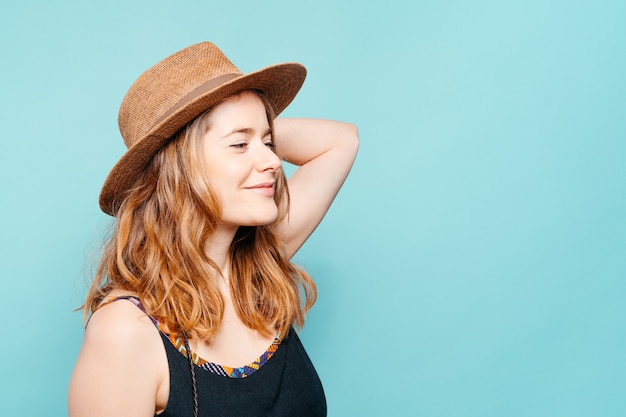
[241, 164]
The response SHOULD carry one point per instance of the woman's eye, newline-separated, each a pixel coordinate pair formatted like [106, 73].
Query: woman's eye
[241, 145]
[270, 145]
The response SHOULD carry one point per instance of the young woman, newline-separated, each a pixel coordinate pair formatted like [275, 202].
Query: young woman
[194, 303]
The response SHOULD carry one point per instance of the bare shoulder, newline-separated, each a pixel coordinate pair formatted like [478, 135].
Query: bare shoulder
[121, 318]
[119, 322]
[121, 358]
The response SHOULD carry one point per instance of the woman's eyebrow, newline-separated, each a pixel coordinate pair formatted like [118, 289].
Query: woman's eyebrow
[247, 131]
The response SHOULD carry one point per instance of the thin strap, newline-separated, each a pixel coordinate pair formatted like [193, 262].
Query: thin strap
[194, 384]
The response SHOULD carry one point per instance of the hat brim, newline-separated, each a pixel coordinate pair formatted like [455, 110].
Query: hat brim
[279, 83]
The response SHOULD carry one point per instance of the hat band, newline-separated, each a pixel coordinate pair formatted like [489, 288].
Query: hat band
[197, 92]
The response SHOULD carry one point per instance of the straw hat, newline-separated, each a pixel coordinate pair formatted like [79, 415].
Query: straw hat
[175, 91]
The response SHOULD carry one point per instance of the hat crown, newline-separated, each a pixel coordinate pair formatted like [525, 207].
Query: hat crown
[158, 90]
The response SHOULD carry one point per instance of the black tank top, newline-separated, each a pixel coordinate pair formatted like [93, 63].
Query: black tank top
[284, 386]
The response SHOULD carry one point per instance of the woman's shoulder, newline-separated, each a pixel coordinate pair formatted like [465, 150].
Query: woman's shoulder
[118, 321]
[122, 357]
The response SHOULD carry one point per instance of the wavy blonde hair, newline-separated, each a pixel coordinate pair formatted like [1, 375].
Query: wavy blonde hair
[156, 250]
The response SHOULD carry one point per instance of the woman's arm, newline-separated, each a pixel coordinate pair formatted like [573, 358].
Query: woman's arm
[324, 151]
[119, 371]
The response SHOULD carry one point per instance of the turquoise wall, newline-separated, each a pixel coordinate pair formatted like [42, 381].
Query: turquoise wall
[474, 263]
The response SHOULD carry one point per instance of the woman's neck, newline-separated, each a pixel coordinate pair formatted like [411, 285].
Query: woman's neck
[217, 247]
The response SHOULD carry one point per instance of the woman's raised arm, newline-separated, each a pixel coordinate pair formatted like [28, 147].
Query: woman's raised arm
[324, 151]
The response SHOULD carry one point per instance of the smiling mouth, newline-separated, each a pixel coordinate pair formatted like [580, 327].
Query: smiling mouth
[266, 189]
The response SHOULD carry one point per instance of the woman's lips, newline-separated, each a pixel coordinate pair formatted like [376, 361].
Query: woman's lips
[266, 189]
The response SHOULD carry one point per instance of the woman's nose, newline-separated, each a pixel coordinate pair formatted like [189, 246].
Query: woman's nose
[267, 159]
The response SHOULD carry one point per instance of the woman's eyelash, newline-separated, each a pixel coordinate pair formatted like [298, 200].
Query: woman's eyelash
[243, 145]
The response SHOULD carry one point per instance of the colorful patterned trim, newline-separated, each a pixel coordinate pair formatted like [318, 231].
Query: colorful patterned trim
[179, 344]
[245, 370]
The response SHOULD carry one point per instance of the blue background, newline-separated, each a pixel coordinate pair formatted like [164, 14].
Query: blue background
[474, 263]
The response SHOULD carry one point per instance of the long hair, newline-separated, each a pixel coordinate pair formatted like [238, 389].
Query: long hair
[157, 250]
